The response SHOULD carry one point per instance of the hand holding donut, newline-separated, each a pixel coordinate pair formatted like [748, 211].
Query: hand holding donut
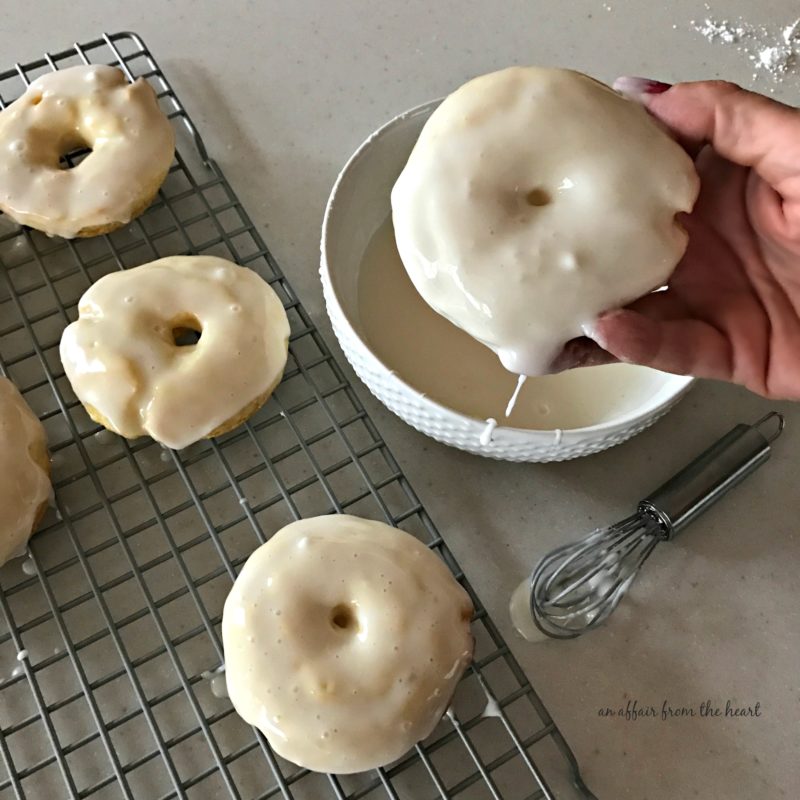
[732, 307]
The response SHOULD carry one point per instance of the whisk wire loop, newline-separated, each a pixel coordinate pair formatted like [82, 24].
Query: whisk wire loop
[577, 586]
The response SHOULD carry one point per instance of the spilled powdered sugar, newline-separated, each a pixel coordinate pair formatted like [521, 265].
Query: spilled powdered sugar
[719, 31]
[774, 51]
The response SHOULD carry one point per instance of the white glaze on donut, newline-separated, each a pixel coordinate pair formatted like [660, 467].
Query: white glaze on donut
[132, 146]
[122, 360]
[534, 200]
[24, 477]
[344, 640]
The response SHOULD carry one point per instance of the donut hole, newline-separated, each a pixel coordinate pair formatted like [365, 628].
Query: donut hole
[538, 197]
[186, 331]
[343, 618]
[72, 151]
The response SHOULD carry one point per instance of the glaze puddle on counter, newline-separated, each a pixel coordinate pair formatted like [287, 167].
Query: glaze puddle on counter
[447, 365]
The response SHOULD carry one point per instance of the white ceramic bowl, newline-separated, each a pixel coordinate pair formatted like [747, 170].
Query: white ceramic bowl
[359, 203]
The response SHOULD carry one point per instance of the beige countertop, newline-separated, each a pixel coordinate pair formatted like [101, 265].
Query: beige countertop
[282, 93]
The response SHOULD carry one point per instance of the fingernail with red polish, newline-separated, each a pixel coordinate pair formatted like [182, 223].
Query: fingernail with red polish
[640, 89]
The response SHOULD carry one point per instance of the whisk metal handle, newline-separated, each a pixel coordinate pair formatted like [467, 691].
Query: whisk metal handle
[685, 496]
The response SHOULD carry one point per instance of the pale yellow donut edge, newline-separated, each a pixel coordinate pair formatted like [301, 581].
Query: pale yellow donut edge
[143, 203]
[40, 455]
[138, 208]
[235, 421]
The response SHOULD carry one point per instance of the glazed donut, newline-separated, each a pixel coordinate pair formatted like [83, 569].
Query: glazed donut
[535, 199]
[344, 641]
[92, 106]
[131, 364]
[24, 472]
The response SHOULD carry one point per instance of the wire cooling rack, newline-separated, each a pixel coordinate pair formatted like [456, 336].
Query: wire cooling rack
[111, 626]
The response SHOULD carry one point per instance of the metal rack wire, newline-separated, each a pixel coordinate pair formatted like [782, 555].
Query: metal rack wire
[108, 630]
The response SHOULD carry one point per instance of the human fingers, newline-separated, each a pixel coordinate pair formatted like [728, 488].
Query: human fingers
[744, 127]
[681, 346]
[584, 352]
[661, 305]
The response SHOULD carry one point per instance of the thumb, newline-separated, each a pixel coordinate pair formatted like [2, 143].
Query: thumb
[680, 346]
[743, 127]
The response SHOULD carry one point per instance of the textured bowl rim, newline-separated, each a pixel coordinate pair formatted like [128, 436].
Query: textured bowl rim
[683, 382]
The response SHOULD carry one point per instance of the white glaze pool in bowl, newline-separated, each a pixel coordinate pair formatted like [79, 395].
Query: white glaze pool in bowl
[358, 205]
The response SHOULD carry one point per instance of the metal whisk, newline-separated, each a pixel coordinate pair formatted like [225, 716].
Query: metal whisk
[577, 586]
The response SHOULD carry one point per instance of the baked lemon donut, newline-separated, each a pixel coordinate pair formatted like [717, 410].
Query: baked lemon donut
[534, 200]
[344, 641]
[24, 472]
[130, 365]
[92, 106]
